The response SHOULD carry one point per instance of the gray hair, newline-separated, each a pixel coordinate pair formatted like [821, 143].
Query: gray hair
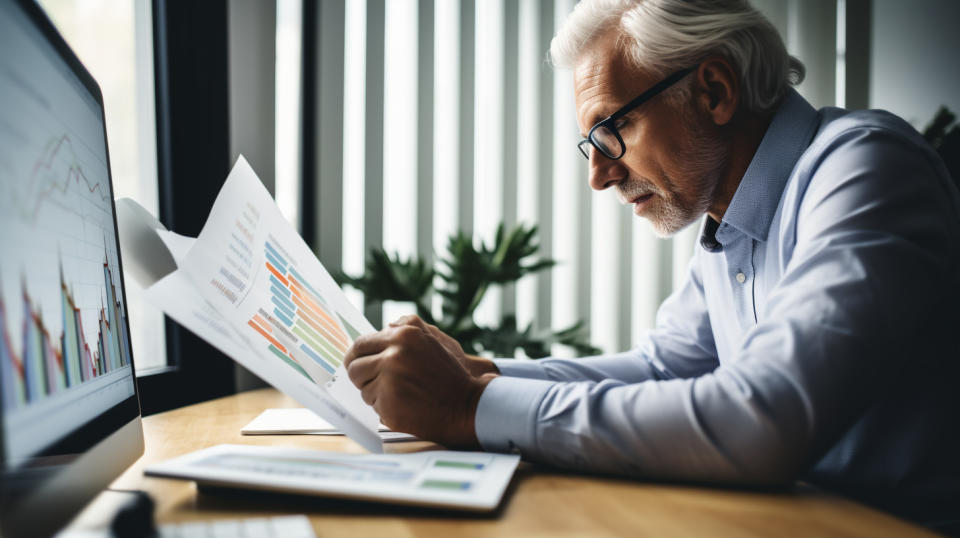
[661, 36]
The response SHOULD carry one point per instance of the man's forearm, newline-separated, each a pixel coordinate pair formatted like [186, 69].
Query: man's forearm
[653, 429]
[630, 367]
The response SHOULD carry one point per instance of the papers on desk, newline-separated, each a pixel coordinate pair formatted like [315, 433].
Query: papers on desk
[460, 480]
[251, 287]
[300, 421]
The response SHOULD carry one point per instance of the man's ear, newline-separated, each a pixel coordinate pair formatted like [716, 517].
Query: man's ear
[719, 89]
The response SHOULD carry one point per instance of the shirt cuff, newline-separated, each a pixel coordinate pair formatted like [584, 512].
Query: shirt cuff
[530, 369]
[506, 416]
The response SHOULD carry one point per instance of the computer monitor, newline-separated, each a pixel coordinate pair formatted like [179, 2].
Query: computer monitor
[70, 413]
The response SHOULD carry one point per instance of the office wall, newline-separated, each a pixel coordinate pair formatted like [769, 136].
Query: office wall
[913, 62]
[809, 30]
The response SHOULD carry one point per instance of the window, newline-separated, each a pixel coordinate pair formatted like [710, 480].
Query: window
[114, 40]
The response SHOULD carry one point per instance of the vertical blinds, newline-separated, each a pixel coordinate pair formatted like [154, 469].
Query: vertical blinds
[434, 116]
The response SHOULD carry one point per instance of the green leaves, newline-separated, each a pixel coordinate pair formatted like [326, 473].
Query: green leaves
[390, 278]
[503, 341]
[943, 134]
[468, 270]
[462, 279]
[940, 127]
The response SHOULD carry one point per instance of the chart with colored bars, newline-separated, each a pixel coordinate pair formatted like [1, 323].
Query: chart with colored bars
[440, 478]
[427, 473]
[298, 325]
[65, 355]
[49, 364]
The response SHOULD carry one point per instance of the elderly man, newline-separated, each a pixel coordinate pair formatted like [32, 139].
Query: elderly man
[812, 338]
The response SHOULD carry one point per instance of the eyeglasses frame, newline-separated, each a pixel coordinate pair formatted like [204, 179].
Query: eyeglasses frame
[652, 92]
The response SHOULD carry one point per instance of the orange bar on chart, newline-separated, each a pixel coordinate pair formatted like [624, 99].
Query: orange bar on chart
[318, 311]
[308, 319]
[266, 335]
[263, 323]
[277, 274]
[319, 324]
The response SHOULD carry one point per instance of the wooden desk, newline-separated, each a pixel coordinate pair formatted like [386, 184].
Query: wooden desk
[541, 502]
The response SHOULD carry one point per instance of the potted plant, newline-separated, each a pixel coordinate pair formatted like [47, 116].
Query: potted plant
[462, 276]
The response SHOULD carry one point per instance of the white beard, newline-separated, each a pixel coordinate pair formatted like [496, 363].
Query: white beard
[701, 161]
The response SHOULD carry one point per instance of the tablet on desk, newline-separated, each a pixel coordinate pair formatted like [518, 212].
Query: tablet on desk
[472, 481]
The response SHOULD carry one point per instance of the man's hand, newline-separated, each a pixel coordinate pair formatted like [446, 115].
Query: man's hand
[416, 384]
[477, 366]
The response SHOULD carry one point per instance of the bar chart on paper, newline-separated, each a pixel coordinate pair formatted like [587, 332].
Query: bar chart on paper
[299, 326]
[290, 320]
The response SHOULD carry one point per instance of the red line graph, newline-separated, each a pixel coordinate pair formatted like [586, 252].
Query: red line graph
[41, 193]
[8, 343]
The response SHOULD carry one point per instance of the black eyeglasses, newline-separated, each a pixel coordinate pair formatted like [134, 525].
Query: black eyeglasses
[604, 135]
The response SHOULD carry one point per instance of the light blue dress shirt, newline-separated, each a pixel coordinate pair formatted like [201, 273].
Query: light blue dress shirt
[815, 335]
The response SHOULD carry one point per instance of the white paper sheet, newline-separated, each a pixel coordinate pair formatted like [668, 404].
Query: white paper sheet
[298, 420]
[194, 313]
[460, 480]
[145, 256]
[302, 421]
[178, 244]
[250, 286]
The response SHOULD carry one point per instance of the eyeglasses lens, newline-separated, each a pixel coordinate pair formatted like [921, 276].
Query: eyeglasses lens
[607, 141]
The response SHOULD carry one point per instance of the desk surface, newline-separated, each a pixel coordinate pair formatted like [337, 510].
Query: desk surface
[541, 502]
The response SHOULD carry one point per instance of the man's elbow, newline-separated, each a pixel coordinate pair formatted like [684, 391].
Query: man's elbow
[775, 472]
[772, 462]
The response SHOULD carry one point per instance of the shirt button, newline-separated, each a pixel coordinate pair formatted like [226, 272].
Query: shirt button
[741, 278]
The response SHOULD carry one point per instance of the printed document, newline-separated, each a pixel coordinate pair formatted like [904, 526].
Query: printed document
[458, 480]
[251, 287]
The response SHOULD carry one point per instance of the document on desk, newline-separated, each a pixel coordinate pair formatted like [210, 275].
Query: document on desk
[250, 286]
[460, 480]
[302, 421]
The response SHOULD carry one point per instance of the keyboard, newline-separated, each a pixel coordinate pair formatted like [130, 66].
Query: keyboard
[259, 527]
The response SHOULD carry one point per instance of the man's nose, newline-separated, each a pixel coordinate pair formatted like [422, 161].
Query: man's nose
[604, 171]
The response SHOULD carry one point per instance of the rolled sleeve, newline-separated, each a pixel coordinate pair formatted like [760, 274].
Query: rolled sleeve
[507, 413]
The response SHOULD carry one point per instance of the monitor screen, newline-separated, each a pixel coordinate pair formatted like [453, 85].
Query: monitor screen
[66, 366]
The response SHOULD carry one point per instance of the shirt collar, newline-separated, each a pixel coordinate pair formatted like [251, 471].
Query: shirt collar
[757, 197]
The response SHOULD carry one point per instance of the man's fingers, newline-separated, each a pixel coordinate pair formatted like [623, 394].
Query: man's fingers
[369, 393]
[363, 370]
[416, 321]
[402, 320]
[410, 319]
[413, 320]
[366, 344]
[435, 332]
